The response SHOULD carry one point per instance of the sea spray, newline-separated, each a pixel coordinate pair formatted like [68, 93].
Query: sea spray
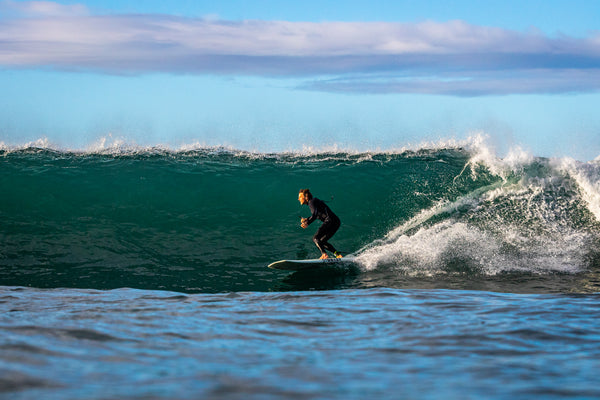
[539, 216]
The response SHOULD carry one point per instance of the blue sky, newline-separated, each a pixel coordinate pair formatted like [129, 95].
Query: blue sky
[278, 75]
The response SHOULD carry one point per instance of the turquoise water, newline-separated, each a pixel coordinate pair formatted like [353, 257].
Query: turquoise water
[142, 274]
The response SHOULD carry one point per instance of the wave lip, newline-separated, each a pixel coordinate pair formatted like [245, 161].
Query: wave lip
[118, 145]
[537, 216]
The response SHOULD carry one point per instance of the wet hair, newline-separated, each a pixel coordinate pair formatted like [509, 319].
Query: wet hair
[306, 193]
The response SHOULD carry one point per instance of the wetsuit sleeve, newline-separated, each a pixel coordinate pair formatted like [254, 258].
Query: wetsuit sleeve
[314, 211]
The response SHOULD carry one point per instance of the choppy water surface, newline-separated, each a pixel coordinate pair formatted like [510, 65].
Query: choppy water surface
[387, 343]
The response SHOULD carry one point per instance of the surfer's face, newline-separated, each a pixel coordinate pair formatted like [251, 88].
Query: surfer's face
[301, 198]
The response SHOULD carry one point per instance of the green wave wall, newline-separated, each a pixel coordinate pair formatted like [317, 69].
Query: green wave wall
[210, 220]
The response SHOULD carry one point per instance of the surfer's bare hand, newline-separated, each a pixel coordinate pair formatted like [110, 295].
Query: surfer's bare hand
[303, 223]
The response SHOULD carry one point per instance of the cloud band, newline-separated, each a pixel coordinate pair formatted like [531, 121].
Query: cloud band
[454, 58]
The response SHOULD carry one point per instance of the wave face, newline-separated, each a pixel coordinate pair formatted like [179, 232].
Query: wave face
[210, 220]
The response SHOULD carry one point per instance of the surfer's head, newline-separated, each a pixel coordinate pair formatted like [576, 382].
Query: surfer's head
[304, 196]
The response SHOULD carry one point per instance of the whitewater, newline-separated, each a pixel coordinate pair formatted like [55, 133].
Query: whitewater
[130, 272]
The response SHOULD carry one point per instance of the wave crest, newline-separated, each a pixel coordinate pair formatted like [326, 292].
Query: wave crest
[538, 216]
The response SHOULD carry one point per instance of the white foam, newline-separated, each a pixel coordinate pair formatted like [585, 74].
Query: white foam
[109, 143]
[521, 224]
[587, 176]
[120, 144]
[482, 152]
[429, 250]
[452, 246]
[41, 143]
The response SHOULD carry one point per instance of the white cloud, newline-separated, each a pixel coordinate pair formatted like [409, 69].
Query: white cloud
[40, 9]
[46, 34]
[281, 38]
[524, 81]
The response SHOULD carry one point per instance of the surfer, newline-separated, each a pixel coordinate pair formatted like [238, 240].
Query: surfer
[331, 223]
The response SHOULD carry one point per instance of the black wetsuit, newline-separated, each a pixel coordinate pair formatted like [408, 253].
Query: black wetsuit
[331, 223]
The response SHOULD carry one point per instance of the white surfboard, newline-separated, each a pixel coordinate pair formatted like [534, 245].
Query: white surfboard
[299, 265]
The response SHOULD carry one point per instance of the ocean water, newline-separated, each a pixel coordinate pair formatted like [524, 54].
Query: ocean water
[141, 273]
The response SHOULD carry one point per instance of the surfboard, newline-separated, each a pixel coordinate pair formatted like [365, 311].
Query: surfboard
[299, 265]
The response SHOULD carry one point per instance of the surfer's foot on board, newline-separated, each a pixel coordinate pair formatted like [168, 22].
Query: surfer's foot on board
[323, 256]
[337, 254]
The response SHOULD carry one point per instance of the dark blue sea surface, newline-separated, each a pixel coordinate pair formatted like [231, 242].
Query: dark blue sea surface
[350, 344]
[141, 273]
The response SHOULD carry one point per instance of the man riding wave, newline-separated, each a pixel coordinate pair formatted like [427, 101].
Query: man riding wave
[331, 223]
